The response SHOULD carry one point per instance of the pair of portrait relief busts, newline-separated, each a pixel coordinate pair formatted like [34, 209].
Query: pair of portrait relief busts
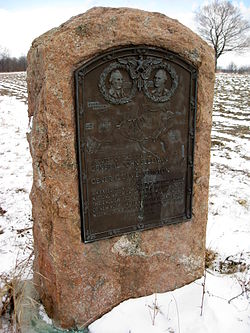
[116, 84]
[121, 81]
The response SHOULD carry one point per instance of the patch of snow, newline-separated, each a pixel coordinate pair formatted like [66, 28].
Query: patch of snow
[43, 315]
[15, 176]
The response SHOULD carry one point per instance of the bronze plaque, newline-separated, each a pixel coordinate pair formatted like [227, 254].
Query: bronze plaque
[135, 130]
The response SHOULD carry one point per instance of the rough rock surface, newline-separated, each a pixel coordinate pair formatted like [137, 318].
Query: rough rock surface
[79, 282]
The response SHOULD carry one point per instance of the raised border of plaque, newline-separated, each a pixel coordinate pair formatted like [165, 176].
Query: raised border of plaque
[135, 166]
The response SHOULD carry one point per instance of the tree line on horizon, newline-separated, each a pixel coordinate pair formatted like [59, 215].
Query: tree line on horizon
[232, 68]
[12, 64]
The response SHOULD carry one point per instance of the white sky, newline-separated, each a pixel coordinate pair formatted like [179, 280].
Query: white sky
[22, 21]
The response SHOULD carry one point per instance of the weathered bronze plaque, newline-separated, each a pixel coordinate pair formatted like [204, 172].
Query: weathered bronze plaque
[135, 128]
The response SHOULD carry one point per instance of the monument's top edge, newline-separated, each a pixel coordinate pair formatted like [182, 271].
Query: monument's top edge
[102, 28]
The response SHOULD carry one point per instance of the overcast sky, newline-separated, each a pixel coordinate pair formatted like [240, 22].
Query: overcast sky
[22, 21]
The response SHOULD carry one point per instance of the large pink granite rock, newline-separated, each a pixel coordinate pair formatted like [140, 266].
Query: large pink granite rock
[79, 282]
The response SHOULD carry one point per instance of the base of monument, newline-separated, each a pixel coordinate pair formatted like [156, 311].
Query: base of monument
[29, 317]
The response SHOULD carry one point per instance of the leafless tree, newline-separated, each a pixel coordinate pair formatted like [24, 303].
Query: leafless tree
[221, 24]
[232, 68]
[4, 52]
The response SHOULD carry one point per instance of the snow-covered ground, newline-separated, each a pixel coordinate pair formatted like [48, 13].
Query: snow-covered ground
[223, 295]
[15, 173]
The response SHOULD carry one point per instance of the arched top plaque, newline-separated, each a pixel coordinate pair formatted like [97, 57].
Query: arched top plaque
[135, 130]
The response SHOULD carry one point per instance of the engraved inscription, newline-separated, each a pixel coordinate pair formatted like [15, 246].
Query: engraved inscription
[135, 122]
[97, 106]
[89, 126]
[116, 201]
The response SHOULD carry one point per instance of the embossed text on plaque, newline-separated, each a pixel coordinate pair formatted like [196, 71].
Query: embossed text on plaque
[135, 130]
